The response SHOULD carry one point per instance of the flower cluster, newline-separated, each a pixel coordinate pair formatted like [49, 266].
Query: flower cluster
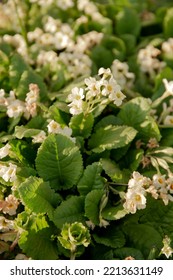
[139, 186]
[149, 62]
[16, 107]
[121, 74]
[100, 91]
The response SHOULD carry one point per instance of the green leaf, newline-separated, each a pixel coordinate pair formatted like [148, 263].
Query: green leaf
[122, 253]
[143, 237]
[114, 172]
[22, 131]
[111, 119]
[112, 213]
[135, 113]
[59, 161]
[168, 23]
[36, 242]
[16, 69]
[38, 196]
[69, 211]
[92, 206]
[158, 215]
[111, 237]
[82, 125]
[91, 179]
[128, 22]
[101, 252]
[102, 56]
[111, 137]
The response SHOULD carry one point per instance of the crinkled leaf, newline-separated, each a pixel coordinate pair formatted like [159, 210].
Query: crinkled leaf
[91, 179]
[38, 244]
[134, 112]
[111, 237]
[59, 161]
[158, 215]
[143, 237]
[92, 206]
[69, 211]
[38, 196]
[111, 137]
[82, 125]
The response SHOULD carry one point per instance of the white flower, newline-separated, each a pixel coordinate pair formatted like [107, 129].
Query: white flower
[147, 59]
[4, 151]
[8, 173]
[53, 127]
[93, 87]
[166, 250]
[105, 73]
[5, 224]
[66, 131]
[65, 4]
[168, 86]
[159, 181]
[137, 180]
[39, 138]
[120, 71]
[15, 108]
[61, 40]
[135, 200]
[168, 120]
[11, 204]
[34, 35]
[33, 95]
[153, 191]
[167, 46]
[76, 107]
[2, 97]
[76, 94]
[110, 86]
[170, 185]
[117, 97]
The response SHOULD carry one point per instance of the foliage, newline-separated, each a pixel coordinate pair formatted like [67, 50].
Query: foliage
[86, 147]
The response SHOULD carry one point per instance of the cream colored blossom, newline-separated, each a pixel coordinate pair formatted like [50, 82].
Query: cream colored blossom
[166, 250]
[168, 120]
[4, 151]
[15, 109]
[53, 127]
[167, 46]
[8, 173]
[159, 181]
[5, 224]
[11, 205]
[168, 86]
[40, 137]
[121, 74]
